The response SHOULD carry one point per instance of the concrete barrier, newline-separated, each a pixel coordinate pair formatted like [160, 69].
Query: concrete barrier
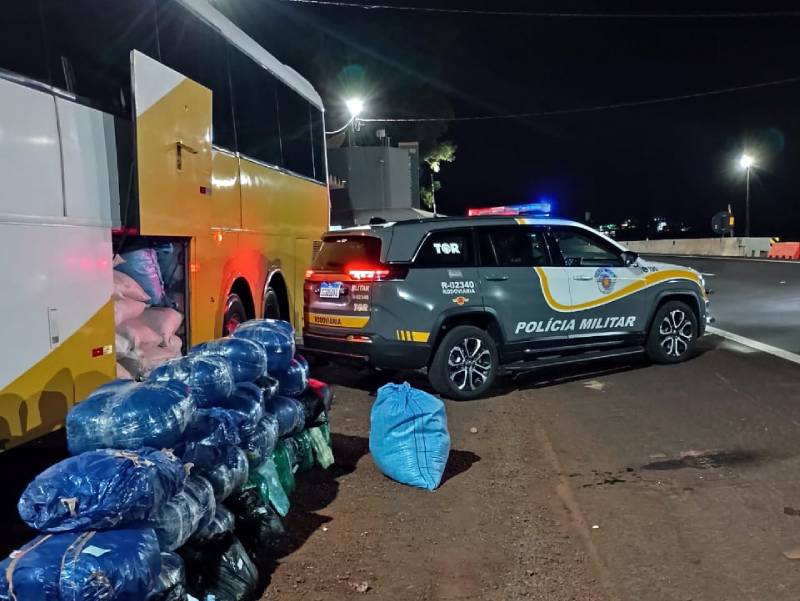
[716, 247]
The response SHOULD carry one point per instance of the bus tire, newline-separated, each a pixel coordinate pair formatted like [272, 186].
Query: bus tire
[235, 313]
[272, 305]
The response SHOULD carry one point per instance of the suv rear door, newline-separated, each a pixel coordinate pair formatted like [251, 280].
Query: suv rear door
[338, 285]
[513, 257]
[443, 280]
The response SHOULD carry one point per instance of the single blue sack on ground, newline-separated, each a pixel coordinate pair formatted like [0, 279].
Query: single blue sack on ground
[408, 435]
[101, 489]
[118, 565]
[130, 415]
[248, 359]
[210, 379]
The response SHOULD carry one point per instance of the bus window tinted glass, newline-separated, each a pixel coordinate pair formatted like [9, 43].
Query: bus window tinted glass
[256, 110]
[584, 249]
[295, 131]
[446, 249]
[195, 50]
[318, 144]
[22, 40]
[90, 43]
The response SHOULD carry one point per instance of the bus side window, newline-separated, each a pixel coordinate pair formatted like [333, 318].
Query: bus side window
[256, 109]
[22, 47]
[192, 48]
[89, 46]
[318, 144]
[295, 122]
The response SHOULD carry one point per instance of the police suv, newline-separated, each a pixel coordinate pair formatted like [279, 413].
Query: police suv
[471, 298]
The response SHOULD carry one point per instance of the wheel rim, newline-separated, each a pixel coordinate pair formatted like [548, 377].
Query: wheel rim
[469, 364]
[676, 333]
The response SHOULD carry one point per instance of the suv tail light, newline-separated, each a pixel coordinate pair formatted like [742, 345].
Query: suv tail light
[376, 273]
[360, 272]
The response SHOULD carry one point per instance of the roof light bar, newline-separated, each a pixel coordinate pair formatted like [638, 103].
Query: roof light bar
[541, 209]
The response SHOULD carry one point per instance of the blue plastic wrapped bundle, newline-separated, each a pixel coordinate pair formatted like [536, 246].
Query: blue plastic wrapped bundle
[275, 339]
[115, 565]
[142, 266]
[246, 358]
[207, 438]
[222, 523]
[183, 514]
[171, 582]
[294, 380]
[130, 415]
[408, 436]
[288, 411]
[209, 378]
[101, 489]
[269, 386]
[247, 405]
[261, 443]
[229, 475]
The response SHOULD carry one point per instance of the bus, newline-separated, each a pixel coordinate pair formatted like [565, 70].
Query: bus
[130, 124]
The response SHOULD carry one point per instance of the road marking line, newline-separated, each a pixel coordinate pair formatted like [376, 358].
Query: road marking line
[755, 344]
[749, 259]
[708, 275]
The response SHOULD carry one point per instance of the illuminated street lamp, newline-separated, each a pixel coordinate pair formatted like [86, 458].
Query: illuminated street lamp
[746, 162]
[356, 106]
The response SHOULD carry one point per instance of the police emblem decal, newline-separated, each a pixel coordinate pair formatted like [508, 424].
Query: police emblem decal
[606, 279]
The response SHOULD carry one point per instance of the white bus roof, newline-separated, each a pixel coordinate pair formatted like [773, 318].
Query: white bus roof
[249, 46]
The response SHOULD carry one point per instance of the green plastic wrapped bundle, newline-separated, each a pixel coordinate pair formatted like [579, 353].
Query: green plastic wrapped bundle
[284, 458]
[304, 453]
[265, 479]
[323, 453]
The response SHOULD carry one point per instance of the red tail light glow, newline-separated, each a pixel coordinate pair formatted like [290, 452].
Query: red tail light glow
[368, 274]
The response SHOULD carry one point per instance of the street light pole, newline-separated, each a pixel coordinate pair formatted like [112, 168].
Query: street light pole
[747, 204]
[433, 193]
[746, 162]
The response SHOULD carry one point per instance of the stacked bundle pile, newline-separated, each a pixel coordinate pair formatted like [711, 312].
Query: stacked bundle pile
[236, 418]
[147, 317]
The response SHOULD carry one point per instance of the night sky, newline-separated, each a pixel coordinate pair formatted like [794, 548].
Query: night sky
[676, 160]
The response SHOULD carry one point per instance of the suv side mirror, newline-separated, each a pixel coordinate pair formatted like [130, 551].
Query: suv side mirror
[629, 257]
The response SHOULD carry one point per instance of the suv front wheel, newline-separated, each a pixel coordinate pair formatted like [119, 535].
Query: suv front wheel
[673, 333]
[465, 364]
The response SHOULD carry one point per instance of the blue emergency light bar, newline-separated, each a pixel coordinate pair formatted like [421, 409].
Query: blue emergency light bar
[539, 209]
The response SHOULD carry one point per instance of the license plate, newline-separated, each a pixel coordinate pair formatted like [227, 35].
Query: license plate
[330, 289]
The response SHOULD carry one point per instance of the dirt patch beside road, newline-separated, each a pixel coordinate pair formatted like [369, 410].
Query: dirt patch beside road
[496, 529]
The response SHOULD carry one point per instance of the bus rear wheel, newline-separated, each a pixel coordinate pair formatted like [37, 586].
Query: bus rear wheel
[235, 313]
[272, 305]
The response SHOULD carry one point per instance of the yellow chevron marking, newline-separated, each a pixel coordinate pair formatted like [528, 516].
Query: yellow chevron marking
[648, 280]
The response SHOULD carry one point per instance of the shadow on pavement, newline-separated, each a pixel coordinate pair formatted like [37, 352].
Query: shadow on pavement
[458, 463]
[19, 466]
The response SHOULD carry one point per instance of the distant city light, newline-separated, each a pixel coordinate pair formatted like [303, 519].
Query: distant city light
[355, 106]
[746, 161]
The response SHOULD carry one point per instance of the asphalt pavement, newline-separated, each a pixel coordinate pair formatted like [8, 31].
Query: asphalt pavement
[757, 299]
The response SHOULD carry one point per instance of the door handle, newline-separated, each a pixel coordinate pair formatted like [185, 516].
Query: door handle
[179, 148]
[496, 278]
[583, 278]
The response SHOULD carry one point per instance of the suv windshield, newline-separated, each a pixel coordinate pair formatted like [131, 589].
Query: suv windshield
[337, 252]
